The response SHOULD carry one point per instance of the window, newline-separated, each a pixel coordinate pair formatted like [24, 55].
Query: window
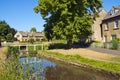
[105, 38]
[106, 26]
[113, 12]
[116, 24]
[113, 36]
[18, 35]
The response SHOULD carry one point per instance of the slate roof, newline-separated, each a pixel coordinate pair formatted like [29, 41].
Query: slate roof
[114, 12]
[31, 33]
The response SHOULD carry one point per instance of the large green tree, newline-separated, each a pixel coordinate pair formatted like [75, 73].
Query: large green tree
[6, 32]
[33, 29]
[68, 19]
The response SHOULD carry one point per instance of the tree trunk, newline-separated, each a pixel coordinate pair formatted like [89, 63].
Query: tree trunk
[69, 44]
[0, 44]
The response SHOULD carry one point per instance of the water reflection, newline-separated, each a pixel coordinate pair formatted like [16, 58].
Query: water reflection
[48, 70]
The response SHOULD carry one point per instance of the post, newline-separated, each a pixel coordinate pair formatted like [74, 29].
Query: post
[26, 47]
[42, 46]
[34, 47]
[19, 47]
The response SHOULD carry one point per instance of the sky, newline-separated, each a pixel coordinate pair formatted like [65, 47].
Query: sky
[19, 14]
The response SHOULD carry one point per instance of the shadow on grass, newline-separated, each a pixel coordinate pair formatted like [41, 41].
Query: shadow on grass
[57, 46]
[81, 45]
[65, 46]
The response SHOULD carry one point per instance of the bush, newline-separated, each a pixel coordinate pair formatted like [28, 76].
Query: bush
[115, 43]
[37, 40]
[57, 46]
[31, 41]
[12, 51]
[97, 41]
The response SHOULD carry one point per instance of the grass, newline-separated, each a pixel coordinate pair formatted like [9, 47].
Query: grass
[12, 69]
[115, 59]
[37, 47]
[3, 52]
[85, 53]
[30, 47]
[108, 66]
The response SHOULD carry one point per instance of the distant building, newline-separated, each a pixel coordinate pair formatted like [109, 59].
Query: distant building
[96, 27]
[25, 36]
[111, 24]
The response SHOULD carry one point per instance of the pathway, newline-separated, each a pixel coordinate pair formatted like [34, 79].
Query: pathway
[108, 51]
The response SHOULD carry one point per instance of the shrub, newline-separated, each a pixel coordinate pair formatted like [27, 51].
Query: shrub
[115, 43]
[12, 51]
[37, 40]
[31, 41]
[97, 41]
[57, 46]
[118, 39]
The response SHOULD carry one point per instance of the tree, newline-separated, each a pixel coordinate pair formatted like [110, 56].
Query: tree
[9, 37]
[68, 19]
[5, 29]
[0, 42]
[33, 29]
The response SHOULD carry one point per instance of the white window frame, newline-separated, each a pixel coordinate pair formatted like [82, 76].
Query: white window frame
[105, 38]
[106, 26]
[116, 24]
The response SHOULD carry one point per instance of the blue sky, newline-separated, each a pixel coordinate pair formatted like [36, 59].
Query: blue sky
[19, 14]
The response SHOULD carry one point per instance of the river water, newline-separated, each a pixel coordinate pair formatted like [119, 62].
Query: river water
[56, 70]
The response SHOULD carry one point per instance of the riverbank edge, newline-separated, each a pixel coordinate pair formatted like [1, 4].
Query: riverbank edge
[48, 54]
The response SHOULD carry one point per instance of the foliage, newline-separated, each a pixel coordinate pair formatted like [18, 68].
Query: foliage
[115, 43]
[9, 37]
[37, 40]
[12, 51]
[14, 70]
[118, 39]
[97, 41]
[30, 47]
[57, 46]
[68, 19]
[38, 47]
[0, 42]
[10, 70]
[33, 29]
[31, 41]
[6, 32]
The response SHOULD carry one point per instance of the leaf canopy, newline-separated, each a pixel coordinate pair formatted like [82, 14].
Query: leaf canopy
[68, 19]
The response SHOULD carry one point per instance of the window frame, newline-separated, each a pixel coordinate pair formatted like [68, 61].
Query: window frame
[113, 36]
[116, 24]
[106, 26]
[105, 38]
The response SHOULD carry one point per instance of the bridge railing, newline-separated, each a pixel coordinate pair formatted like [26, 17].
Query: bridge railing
[31, 47]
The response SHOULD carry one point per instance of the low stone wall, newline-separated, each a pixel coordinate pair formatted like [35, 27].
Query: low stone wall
[103, 45]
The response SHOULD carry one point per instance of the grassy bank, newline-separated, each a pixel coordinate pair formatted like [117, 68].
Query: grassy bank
[86, 62]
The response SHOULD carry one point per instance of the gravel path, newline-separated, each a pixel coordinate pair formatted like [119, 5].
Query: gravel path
[108, 51]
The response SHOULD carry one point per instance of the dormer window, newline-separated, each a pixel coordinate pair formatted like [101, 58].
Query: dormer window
[116, 11]
[113, 12]
[116, 25]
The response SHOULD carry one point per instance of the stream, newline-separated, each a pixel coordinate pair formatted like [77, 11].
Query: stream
[48, 69]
